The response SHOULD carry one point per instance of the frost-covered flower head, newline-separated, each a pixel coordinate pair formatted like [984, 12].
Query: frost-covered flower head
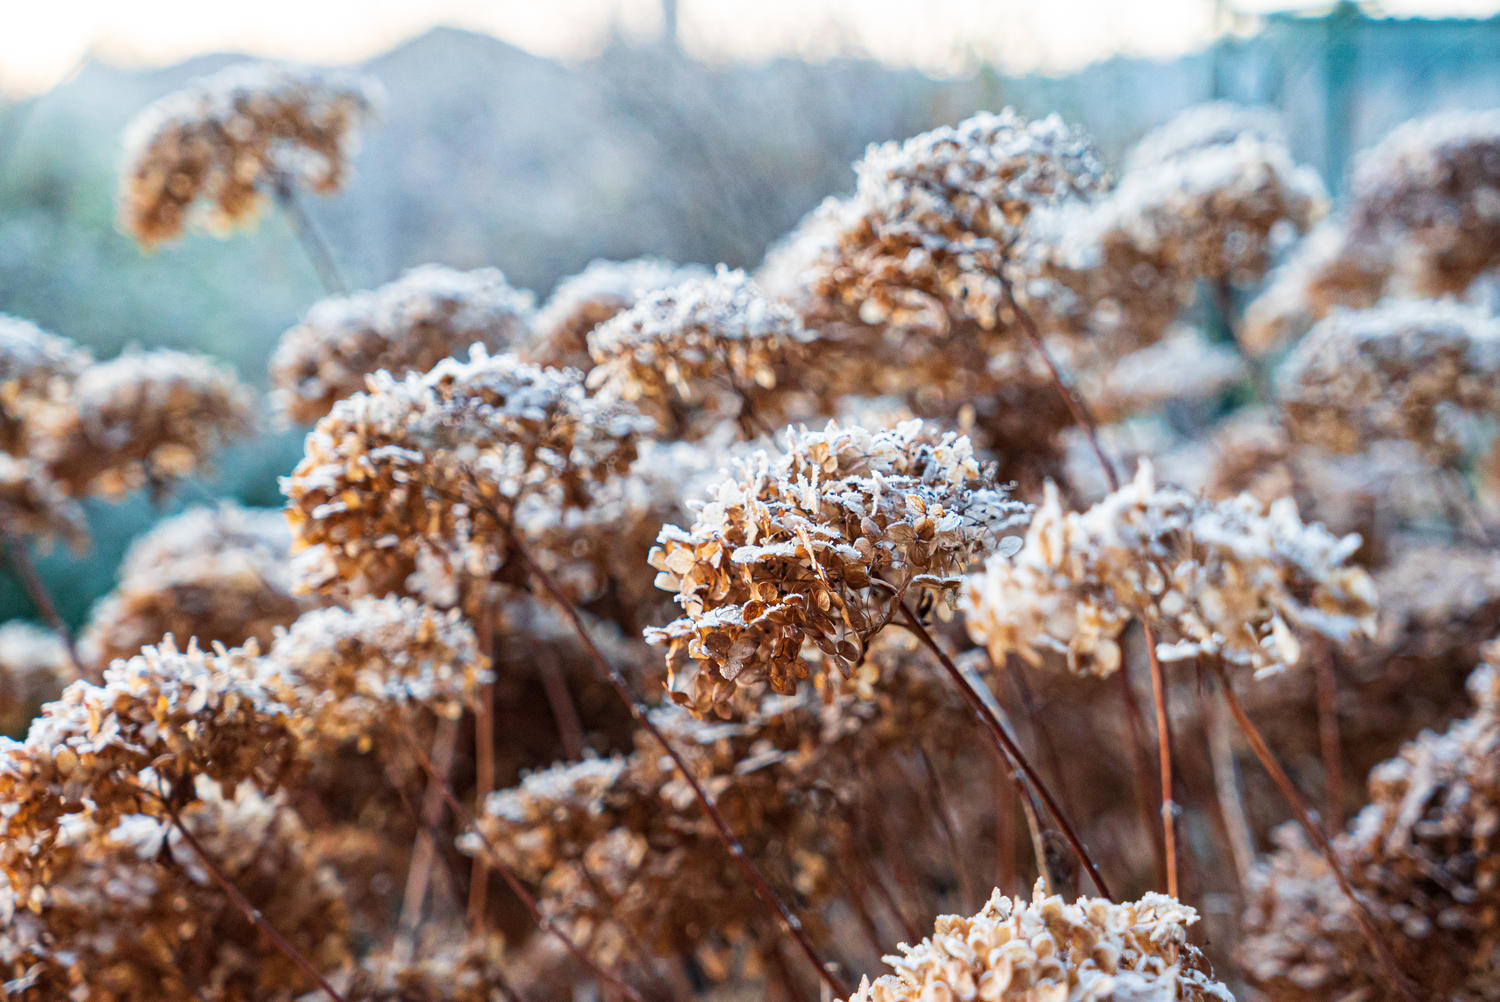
[432, 460]
[409, 325]
[35, 368]
[1092, 950]
[34, 667]
[1214, 123]
[717, 343]
[1221, 578]
[352, 672]
[34, 505]
[583, 301]
[1411, 370]
[816, 544]
[1431, 190]
[215, 574]
[934, 221]
[224, 139]
[145, 417]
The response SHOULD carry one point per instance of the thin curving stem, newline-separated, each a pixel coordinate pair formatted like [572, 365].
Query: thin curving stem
[1163, 760]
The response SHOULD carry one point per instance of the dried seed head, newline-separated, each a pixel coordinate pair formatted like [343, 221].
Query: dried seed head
[717, 345]
[583, 301]
[430, 462]
[1420, 855]
[1016, 950]
[217, 575]
[1220, 578]
[225, 139]
[1203, 126]
[409, 325]
[1429, 189]
[36, 369]
[1407, 370]
[146, 417]
[817, 544]
[357, 672]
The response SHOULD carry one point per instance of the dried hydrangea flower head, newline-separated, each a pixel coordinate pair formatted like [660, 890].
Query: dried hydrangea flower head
[34, 505]
[1221, 578]
[134, 917]
[1203, 126]
[448, 965]
[1421, 855]
[177, 715]
[145, 417]
[224, 139]
[1182, 366]
[934, 222]
[34, 668]
[1092, 950]
[36, 368]
[583, 301]
[1429, 188]
[430, 461]
[717, 345]
[622, 854]
[1329, 268]
[215, 574]
[819, 543]
[1409, 370]
[353, 673]
[409, 325]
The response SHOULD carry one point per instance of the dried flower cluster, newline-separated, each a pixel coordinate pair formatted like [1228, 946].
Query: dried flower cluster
[36, 368]
[33, 504]
[583, 301]
[215, 575]
[1413, 371]
[717, 344]
[143, 418]
[819, 544]
[224, 139]
[409, 325]
[430, 461]
[1016, 950]
[34, 667]
[1422, 856]
[1201, 127]
[1223, 579]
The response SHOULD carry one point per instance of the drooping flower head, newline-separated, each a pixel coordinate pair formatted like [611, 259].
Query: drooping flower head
[225, 139]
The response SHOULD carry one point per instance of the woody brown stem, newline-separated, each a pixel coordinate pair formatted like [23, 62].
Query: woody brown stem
[1139, 767]
[1011, 751]
[1227, 787]
[309, 236]
[424, 855]
[20, 559]
[1304, 818]
[216, 873]
[1164, 760]
[508, 874]
[790, 923]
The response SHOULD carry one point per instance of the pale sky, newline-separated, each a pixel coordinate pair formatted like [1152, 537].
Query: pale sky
[41, 41]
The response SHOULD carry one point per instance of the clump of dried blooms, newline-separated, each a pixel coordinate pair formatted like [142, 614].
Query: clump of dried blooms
[450, 965]
[583, 301]
[225, 139]
[1428, 188]
[1408, 370]
[145, 417]
[34, 505]
[217, 575]
[36, 368]
[409, 325]
[713, 344]
[1329, 268]
[819, 543]
[1421, 855]
[1183, 366]
[434, 460]
[1203, 126]
[34, 667]
[134, 917]
[1092, 950]
[933, 225]
[1220, 578]
[178, 714]
[353, 673]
